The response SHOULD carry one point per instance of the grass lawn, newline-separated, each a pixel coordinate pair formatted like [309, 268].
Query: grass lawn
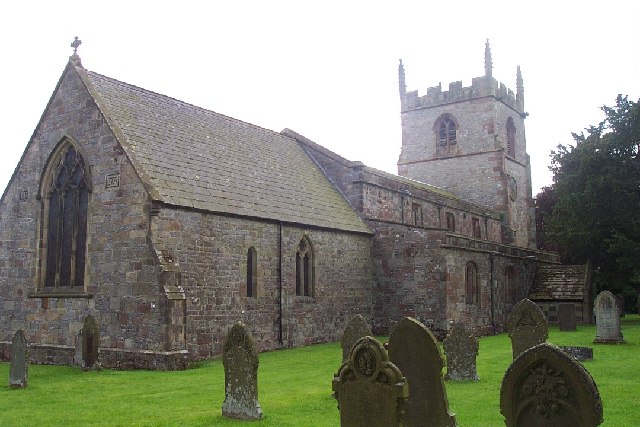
[294, 387]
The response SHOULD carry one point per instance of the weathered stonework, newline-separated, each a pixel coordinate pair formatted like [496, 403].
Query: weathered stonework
[355, 329]
[461, 350]
[607, 319]
[526, 327]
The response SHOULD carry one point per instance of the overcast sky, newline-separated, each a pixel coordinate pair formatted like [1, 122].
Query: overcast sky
[326, 69]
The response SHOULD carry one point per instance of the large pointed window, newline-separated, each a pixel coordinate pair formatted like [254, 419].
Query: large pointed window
[66, 196]
[304, 269]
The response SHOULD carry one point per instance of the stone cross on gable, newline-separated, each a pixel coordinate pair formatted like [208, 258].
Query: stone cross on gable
[75, 44]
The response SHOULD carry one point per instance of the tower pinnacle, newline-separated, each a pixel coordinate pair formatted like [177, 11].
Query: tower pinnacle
[488, 64]
[519, 90]
[401, 82]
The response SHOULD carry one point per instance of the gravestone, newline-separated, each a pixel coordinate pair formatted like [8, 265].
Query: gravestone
[19, 364]
[356, 329]
[240, 359]
[607, 319]
[414, 350]
[620, 303]
[526, 326]
[547, 387]
[461, 350]
[370, 390]
[90, 337]
[567, 317]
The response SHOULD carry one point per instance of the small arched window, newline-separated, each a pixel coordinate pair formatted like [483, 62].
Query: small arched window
[65, 192]
[446, 130]
[304, 269]
[511, 138]
[472, 290]
[252, 273]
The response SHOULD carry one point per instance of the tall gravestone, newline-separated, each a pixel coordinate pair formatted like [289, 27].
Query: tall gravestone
[240, 359]
[547, 387]
[370, 390]
[90, 338]
[19, 364]
[620, 303]
[567, 317]
[607, 319]
[526, 327]
[356, 329]
[461, 349]
[414, 350]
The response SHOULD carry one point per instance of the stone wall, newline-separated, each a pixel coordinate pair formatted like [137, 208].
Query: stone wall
[211, 253]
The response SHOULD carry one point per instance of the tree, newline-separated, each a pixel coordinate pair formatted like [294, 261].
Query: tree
[596, 211]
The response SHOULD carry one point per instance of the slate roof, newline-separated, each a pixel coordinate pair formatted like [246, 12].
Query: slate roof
[559, 282]
[192, 157]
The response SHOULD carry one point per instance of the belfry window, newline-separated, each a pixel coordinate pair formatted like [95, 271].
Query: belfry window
[65, 218]
[446, 129]
[304, 269]
[511, 138]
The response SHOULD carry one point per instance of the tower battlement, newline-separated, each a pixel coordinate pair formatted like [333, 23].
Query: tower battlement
[480, 87]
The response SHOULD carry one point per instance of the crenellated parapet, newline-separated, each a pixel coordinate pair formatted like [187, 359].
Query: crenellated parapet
[480, 87]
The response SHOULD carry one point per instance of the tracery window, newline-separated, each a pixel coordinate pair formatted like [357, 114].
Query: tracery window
[416, 213]
[511, 138]
[252, 273]
[446, 130]
[304, 269]
[472, 290]
[475, 227]
[65, 218]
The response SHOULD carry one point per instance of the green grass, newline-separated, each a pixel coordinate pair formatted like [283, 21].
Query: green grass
[294, 386]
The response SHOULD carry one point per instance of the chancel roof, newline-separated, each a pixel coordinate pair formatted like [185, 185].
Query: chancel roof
[192, 157]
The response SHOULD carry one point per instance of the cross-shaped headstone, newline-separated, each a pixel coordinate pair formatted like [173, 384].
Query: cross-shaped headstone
[75, 44]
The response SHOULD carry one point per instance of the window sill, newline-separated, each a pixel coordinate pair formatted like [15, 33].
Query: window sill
[60, 293]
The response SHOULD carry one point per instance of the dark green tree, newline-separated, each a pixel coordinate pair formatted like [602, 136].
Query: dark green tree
[596, 211]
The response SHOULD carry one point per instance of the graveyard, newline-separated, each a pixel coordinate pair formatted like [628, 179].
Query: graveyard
[295, 388]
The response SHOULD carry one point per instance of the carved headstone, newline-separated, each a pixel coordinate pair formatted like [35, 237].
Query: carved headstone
[526, 327]
[414, 350]
[607, 319]
[240, 361]
[19, 365]
[545, 386]
[356, 329]
[567, 317]
[90, 336]
[370, 390]
[461, 350]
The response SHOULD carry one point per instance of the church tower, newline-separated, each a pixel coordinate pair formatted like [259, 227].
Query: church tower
[471, 141]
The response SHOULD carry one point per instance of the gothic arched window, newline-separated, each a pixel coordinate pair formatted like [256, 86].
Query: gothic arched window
[472, 290]
[446, 130]
[304, 269]
[66, 197]
[511, 138]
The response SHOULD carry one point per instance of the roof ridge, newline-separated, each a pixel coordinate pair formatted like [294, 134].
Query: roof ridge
[189, 104]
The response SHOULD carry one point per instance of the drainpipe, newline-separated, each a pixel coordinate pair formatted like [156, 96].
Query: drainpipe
[280, 293]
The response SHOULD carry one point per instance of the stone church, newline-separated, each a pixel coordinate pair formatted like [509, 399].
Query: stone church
[167, 223]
